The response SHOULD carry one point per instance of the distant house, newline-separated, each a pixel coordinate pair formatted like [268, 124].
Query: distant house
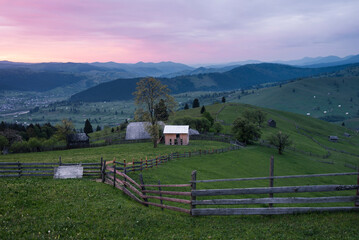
[78, 140]
[272, 123]
[137, 130]
[176, 134]
[347, 135]
[333, 138]
[193, 132]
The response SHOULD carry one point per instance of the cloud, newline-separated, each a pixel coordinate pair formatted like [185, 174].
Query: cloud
[178, 30]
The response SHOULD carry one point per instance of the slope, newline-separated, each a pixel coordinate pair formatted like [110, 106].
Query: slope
[333, 97]
[240, 77]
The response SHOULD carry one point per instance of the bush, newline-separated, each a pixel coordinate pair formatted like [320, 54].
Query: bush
[20, 147]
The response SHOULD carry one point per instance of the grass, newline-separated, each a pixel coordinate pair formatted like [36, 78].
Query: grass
[120, 152]
[45, 208]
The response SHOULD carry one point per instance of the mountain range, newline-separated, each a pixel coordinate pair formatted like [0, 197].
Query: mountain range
[238, 78]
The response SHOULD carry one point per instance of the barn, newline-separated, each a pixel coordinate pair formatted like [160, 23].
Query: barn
[176, 134]
[137, 130]
[78, 140]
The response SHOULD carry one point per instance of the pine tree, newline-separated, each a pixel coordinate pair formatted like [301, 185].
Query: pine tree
[223, 99]
[186, 106]
[203, 109]
[195, 103]
[98, 128]
[88, 127]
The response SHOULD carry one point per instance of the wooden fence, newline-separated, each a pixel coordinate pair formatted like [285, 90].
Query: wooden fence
[18, 169]
[146, 193]
[194, 198]
[140, 165]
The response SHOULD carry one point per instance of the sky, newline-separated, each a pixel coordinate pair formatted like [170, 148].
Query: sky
[186, 31]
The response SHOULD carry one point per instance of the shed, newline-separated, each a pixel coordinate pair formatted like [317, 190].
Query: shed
[272, 123]
[333, 138]
[78, 140]
[347, 134]
[176, 134]
[137, 130]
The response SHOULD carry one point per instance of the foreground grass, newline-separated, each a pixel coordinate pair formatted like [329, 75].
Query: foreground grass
[36, 208]
[45, 208]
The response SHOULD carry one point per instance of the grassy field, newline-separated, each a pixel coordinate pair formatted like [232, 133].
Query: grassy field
[45, 208]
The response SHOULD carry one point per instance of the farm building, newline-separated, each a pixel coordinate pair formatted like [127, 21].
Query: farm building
[333, 138]
[176, 134]
[137, 130]
[193, 132]
[77, 140]
[272, 123]
[347, 134]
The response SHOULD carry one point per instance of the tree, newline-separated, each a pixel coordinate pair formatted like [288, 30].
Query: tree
[245, 131]
[203, 109]
[256, 116]
[209, 117]
[186, 106]
[280, 140]
[98, 128]
[161, 111]
[217, 127]
[195, 103]
[65, 128]
[88, 127]
[223, 99]
[3, 142]
[149, 92]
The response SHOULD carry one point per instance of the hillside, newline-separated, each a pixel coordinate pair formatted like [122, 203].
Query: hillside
[72, 201]
[240, 77]
[28, 80]
[333, 97]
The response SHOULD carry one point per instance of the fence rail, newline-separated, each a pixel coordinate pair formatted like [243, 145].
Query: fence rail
[18, 169]
[144, 195]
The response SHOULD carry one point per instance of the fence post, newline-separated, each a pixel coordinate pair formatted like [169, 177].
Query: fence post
[141, 164]
[60, 161]
[271, 180]
[160, 189]
[142, 189]
[357, 201]
[104, 171]
[146, 163]
[193, 188]
[114, 174]
[19, 168]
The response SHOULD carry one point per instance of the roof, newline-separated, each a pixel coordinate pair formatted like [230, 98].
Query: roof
[137, 130]
[176, 129]
[193, 132]
[271, 120]
[333, 137]
[78, 137]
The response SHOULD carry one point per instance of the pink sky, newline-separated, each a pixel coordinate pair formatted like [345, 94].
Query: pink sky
[187, 31]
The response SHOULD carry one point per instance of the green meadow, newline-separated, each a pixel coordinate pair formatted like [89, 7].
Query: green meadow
[47, 208]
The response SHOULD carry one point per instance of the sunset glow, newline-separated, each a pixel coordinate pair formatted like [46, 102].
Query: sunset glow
[177, 30]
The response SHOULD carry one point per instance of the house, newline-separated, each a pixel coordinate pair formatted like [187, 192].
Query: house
[347, 134]
[137, 130]
[78, 140]
[272, 123]
[176, 134]
[333, 138]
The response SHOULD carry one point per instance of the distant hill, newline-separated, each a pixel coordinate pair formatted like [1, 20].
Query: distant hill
[142, 69]
[240, 77]
[22, 79]
[332, 97]
[348, 60]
